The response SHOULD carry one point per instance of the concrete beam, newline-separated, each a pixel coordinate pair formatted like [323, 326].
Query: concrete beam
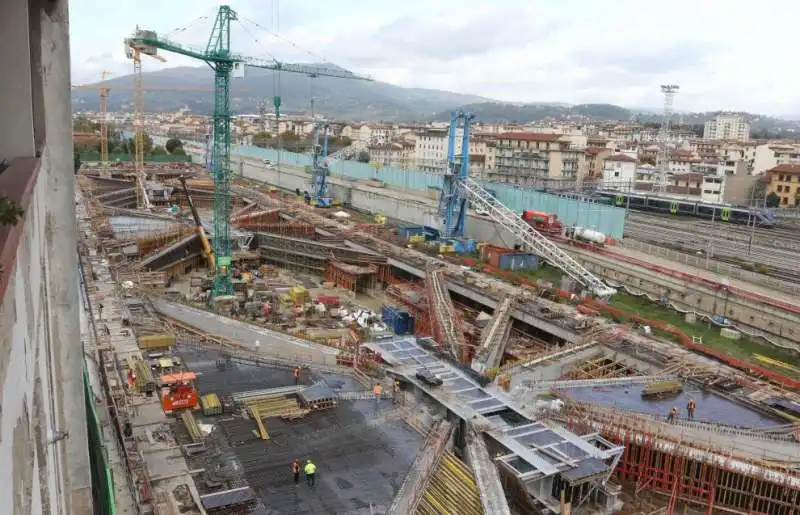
[422, 468]
[493, 497]
[491, 302]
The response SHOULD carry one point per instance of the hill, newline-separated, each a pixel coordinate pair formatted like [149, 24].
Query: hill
[337, 98]
[374, 101]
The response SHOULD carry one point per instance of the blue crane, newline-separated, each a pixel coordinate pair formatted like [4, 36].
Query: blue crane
[319, 167]
[452, 202]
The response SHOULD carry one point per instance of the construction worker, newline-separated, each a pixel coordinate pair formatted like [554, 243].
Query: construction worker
[377, 391]
[396, 391]
[673, 414]
[296, 471]
[311, 472]
[690, 409]
[296, 374]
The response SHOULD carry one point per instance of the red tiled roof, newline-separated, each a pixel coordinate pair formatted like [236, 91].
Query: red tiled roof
[621, 157]
[785, 168]
[593, 151]
[688, 177]
[529, 136]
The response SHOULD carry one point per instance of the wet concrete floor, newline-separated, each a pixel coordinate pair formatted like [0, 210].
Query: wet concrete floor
[711, 407]
[363, 450]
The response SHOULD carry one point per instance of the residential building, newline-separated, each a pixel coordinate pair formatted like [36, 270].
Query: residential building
[619, 170]
[528, 159]
[784, 181]
[430, 151]
[44, 443]
[713, 188]
[595, 157]
[771, 154]
[727, 126]
[399, 154]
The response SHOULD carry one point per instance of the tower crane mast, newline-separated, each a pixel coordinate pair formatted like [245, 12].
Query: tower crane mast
[225, 64]
[319, 166]
[452, 203]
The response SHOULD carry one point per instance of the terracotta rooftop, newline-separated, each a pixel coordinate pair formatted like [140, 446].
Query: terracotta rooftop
[529, 136]
[593, 151]
[785, 168]
[622, 158]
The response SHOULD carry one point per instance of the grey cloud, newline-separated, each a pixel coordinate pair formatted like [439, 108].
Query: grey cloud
[94, 59]
[646, 60]
[421, 38]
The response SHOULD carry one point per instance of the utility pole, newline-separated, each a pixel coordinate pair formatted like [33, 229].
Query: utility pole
[669, 90]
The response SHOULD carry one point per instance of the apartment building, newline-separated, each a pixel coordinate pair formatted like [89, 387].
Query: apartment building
[720, 168]
[595, 157]
[727, 126]
[784, 181]
[527, 158]
[619, 169]
[771, 154]
[430, 153]
[399, 154]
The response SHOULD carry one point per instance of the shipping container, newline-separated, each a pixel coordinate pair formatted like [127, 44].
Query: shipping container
[156, 341]
[408, 231]
[518, 261]
[398, 319]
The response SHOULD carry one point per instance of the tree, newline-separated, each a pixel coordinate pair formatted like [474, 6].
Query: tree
[172, 144]
[10, 211]
[773, 200]
[363, 157]
[77, 161]
[147, 144]
[158, 150]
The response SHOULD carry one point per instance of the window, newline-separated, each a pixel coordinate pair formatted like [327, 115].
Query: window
[616, 174]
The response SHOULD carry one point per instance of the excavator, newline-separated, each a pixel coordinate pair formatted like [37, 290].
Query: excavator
[208, 251]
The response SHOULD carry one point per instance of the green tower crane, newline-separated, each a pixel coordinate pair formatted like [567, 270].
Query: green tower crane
[225, 64]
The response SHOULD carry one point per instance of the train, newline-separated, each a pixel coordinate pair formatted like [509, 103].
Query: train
[682, 207]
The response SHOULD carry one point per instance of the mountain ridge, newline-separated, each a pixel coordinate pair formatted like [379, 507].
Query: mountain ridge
[370, 101]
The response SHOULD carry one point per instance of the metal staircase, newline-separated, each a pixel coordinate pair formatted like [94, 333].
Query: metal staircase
[539, 244]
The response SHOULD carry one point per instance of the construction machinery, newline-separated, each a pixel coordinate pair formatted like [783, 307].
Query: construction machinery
[208, 250]
[319, 167]
[453, 205]
[460, 191]
[225, 64]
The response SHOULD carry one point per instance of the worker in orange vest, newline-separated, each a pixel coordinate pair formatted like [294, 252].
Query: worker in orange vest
[690, 409]
[296, 374]
[377, 391]
[673, 414]
[296, 471]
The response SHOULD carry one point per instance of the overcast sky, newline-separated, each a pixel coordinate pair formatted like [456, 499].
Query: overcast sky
[722, 54]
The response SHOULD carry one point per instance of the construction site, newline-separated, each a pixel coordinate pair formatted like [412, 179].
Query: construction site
[235, 327]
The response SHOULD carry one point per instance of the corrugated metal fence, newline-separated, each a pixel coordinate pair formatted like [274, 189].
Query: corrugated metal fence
[606, 219]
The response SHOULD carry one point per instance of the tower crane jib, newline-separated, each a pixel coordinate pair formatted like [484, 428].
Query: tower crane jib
[225, 64]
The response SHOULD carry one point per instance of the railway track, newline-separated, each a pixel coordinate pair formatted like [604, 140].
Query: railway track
[781, 237]
[778, 262]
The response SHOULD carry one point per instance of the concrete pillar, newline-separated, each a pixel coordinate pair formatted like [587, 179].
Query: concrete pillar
[15, 70]
[51, 21]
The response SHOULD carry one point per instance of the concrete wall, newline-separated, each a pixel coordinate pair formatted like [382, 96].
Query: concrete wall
[41, 360]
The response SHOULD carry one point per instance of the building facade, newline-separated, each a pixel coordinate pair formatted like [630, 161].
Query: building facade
[44, 451]
[530, 159]
[784, 181]
[727, 126]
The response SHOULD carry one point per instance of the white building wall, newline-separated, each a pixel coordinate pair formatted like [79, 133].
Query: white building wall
[619, 172]
[41, 358]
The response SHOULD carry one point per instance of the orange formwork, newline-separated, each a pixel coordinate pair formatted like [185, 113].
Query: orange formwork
[699, 477]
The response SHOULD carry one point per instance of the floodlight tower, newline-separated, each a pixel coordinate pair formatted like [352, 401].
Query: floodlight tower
[669, 90]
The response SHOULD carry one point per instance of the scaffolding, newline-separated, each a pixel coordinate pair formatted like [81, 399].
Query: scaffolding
[357, 279]
[710, 478]
[445, 320]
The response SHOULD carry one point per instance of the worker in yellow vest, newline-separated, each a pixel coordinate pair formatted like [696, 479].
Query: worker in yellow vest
[311, 472]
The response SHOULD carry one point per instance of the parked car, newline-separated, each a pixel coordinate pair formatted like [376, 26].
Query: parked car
[428, 377]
